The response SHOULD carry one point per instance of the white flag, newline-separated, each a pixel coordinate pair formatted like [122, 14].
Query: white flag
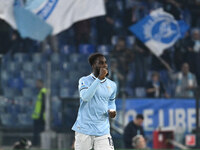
[61, 14]
[6, 12]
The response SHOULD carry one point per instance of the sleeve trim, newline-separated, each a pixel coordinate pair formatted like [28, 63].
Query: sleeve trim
[83, 88]
[112, 99]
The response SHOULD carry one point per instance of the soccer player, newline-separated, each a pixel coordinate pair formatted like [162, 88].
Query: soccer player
[97, 104]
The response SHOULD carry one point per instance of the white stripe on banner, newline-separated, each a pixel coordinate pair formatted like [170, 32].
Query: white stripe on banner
[6, 12]
[61, 14]
[156, 47]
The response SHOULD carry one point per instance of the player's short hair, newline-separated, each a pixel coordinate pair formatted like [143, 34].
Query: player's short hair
[93, 57]
[140, 116]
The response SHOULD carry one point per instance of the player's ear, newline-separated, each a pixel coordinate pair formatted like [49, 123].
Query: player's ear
[93, 66]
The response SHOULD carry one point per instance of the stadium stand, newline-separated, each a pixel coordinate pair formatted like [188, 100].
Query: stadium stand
[20, 68]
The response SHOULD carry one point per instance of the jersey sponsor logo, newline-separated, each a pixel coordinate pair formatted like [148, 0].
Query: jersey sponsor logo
[109, 88]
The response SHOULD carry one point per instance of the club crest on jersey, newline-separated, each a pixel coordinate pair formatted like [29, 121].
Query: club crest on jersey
[109, 88]
[82, 84]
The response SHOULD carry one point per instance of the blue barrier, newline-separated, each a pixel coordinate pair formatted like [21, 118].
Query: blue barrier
[177, 114]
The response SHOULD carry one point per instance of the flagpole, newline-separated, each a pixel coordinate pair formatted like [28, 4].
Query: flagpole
[1, 90]
[167, 66]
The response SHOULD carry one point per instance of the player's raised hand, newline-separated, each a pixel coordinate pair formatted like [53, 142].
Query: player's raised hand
[102, 74]
[112, 113]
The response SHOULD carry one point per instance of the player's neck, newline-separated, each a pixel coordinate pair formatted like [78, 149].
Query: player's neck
[95, 74]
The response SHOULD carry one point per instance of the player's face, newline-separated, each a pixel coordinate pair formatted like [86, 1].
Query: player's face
[100, 63]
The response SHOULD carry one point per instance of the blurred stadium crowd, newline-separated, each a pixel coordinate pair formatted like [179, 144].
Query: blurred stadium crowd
[130, 61]
[132, 66]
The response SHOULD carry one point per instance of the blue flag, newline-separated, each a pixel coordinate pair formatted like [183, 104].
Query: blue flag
[30, 25]
[159, 30]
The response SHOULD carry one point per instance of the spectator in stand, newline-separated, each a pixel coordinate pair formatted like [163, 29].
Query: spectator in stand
[52, 41]
[196, 58]
[193, 50]
[173, 7]
[187, 50]
[133, 129]
[186, 12]
[11, 42]
[139, 142]
[195, 11]
[141, 63]
[196, 39]
[134, 13]
[155, 88]
[38, 114]
[182, 48]
[15, 43]
[4, 37]
[185, 82]
[153, 4]
[157, 65]
[105, 24]
[82, 32]
[124, 57]
[130, 17]
[114, 73]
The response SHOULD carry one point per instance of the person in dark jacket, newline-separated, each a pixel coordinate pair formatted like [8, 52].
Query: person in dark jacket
[132, 129]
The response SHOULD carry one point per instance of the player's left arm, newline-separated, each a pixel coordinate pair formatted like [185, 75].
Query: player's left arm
[111, 103]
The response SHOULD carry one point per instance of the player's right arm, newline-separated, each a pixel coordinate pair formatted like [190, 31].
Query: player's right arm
[87, 91]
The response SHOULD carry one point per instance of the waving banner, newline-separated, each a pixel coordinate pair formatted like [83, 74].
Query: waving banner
[159, 30]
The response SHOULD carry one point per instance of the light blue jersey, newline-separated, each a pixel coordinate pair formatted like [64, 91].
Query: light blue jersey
[96, 98]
